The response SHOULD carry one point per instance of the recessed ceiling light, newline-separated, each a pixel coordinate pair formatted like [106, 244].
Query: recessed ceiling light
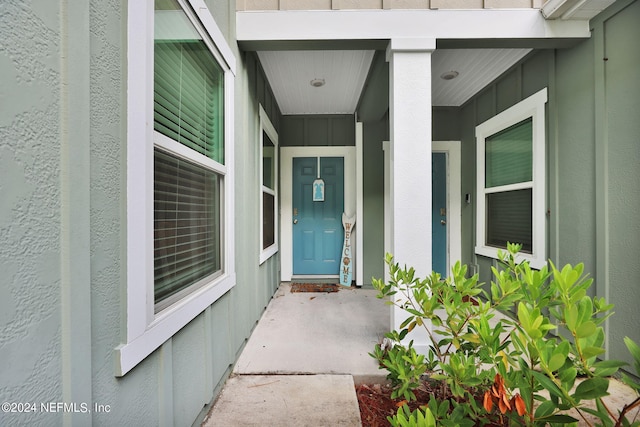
[449, 75]
[317, 82]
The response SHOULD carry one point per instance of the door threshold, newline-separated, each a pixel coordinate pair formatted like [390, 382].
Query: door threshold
[314, 277]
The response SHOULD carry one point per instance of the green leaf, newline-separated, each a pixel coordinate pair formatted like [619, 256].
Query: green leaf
[560, 418]
[556, 361]
[607, 368]
[634, 349]
[545, 409]
[586, 329]
[547, 383]
[630, 382]
[592, 388]
[429, 419]
[589, 352]
[571, 316]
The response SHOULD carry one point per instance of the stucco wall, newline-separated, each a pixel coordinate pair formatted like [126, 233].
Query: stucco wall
[30, 219]
[63, 230]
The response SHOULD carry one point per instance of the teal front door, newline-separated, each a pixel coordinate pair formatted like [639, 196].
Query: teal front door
[439, 239]
[317, 225]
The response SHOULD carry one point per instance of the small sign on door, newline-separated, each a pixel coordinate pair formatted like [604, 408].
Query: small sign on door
[318, 190]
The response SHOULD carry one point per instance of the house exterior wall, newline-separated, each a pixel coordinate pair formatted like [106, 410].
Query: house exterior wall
[318, 130]
[592, 159]
[30, 211]
[63, 225]
[374, 133]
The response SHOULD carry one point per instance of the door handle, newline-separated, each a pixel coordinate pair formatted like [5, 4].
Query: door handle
[295, 221]
[443, 222]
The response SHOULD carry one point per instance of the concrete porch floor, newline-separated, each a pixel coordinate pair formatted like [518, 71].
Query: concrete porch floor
[304, 358]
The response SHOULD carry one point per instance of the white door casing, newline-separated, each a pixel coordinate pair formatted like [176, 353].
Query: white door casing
[287, 154]
[454, 199]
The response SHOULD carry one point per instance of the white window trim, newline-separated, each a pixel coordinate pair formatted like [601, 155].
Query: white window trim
[145, 330]
[534, 107]
[267, 127]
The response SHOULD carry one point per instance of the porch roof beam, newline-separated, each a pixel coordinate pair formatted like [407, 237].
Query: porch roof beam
[521, 27]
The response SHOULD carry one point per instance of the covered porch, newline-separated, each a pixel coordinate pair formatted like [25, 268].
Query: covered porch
[388, 80]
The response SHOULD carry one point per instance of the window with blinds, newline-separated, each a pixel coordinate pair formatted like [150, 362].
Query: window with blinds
[511, 181]
[509, 155]
[268, 192]
[188, 109]
[186, 224]
[508, 186]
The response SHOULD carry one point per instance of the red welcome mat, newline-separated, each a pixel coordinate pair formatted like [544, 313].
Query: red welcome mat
[314, 287]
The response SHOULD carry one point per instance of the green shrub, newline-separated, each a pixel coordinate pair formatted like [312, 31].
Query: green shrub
[493, 369]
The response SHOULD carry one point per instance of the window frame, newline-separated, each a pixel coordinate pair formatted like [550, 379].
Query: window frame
[532, 107]
[267, 127]
[145, 330]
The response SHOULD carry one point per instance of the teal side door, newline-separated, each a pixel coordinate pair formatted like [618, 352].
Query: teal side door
[317, 225]
[439, 213]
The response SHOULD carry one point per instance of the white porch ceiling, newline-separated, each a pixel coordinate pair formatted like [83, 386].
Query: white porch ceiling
[290, 74]
[345, 71]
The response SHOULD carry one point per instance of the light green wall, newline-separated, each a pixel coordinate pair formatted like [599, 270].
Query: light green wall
[63, 229]
[617, 130]
[374, 132]
[593, 158]
[313, 130]
[30, 208]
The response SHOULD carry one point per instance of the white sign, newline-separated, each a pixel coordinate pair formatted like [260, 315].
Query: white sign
[346, 267]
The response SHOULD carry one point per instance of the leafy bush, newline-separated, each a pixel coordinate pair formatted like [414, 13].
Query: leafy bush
[493, 369]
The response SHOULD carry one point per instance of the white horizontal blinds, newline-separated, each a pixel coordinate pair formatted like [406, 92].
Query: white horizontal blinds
[509, 163]
[188, 85]
[509, 155]
[186, 224]
[188, 108]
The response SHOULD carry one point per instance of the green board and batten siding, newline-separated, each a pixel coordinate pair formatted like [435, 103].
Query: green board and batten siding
[593, 159]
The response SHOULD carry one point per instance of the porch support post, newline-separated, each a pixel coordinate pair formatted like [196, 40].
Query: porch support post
[410, 172]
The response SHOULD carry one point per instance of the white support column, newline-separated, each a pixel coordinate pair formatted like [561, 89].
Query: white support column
[410, 171]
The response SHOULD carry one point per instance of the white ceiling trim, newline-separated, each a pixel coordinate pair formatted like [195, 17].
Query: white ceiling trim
[290, 74]
[388, 24]
[574, 9]
[476, 68]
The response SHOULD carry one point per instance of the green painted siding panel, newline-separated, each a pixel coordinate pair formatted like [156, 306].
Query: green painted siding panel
[445, 124]
[622, 145]
[535, 74]
[593, 158]
[318, 130]
[508, 90]
[374, 133]
[574, 149]
[468, 180]
[189, 389]
[485, 105]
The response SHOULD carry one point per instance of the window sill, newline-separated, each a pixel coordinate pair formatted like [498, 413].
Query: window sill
[168, 322]
[268, 253]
